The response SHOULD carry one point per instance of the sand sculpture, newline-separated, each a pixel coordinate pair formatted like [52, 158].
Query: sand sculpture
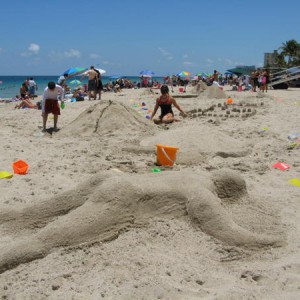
[110, 202]
[107, 117]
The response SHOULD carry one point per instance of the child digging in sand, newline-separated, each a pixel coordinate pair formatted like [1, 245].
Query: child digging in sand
[165, 102]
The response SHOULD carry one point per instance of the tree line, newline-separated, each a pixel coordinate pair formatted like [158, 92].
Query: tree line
[288, 55]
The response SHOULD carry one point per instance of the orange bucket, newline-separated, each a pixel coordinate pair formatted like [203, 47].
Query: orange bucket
[20, 167]
[165, 155]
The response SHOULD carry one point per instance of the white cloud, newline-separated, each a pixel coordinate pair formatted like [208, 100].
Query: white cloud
[165, 53]
[94, 55]
[34, 48]
[210, 61]
[72, 53]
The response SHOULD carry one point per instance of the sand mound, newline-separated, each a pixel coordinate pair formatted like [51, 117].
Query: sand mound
[110, 202]
[214, 91]
[106, 117]
[199, 88]
[197, 145]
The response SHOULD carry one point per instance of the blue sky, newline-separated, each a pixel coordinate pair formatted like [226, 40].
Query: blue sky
[46, 37]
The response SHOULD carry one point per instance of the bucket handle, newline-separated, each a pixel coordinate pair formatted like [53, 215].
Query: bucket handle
[166, 155]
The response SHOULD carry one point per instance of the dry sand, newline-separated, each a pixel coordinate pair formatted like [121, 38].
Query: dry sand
[90, 220]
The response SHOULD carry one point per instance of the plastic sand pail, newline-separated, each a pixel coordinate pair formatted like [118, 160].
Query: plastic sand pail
[5, 174]
[181, 90]
[20, 167]
[165, 155]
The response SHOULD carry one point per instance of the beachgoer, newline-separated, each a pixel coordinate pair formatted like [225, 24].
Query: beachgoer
[169, 82]
[26, 103]
[79, 94]
[265, 81]
[165, 102]
[27, 83]
[256, 82]
[50, 104]
[16, 98]
[62, 80]
[216, 76]
[23, 90]
[32, 87]
[92, 83]
[99, 84]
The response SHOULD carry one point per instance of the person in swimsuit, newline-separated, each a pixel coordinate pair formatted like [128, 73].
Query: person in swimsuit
[165, 102]
[26, 103]
[92, 83]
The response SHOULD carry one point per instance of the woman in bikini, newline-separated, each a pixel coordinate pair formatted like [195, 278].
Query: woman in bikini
[26, 103]
[165, 102]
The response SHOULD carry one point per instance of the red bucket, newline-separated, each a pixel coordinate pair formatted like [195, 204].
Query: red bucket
[20, 167]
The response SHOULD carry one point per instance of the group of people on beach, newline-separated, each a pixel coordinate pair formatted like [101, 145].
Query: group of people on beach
[260, 80]
[55, 92]
[95, 85]
[28, 88]
[27, 92]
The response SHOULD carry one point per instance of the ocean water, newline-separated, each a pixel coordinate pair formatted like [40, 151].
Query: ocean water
[10, 85]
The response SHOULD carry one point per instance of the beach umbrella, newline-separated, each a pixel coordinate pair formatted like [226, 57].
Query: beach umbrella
[99, 70]
[243, 70]
[202, 74]
[75, 81]
[74, 71]
[184, 74]
[147, 73]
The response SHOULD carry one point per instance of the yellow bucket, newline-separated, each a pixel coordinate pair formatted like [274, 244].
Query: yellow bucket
[165, 155]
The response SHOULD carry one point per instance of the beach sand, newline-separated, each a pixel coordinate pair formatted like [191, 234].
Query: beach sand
[91, 220]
